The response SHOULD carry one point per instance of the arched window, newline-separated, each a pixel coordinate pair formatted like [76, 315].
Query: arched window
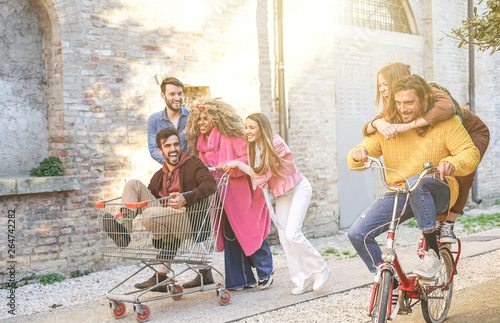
[389, 15]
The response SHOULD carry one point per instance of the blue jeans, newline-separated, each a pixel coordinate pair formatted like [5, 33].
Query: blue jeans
[238, 266]
[431, 197]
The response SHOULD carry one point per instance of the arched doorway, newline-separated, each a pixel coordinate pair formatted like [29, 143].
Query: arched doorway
[30, 84]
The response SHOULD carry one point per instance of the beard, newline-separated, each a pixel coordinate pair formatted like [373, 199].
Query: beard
[170, 105]
[175, 161]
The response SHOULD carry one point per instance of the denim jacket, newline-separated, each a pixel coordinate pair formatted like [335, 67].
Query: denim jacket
[160, 120]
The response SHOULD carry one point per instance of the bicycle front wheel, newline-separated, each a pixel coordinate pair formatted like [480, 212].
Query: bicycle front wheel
[382, 299]
[437, 303]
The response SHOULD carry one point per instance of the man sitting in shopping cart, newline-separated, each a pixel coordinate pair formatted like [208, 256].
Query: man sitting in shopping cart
[185, 181]
[446, 144]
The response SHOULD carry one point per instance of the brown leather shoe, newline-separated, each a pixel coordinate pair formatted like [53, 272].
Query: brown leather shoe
[154, 280]
[206, 275]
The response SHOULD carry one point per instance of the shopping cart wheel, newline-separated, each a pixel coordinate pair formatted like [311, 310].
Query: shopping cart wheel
[224, 297]
[118, 314]
[142, 317]
[176, 289]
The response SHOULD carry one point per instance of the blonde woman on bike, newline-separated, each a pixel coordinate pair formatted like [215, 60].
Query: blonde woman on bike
[447, 144]
[444, 107]
[272, 167]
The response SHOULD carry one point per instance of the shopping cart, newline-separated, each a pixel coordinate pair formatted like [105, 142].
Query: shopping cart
[154, 233]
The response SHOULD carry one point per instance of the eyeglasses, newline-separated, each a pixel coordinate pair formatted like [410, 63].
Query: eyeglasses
[169, 180]
[204, 107]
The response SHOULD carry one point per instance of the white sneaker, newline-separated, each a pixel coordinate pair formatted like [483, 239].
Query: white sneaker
[321, 279]
[307, 288]
[429, 266]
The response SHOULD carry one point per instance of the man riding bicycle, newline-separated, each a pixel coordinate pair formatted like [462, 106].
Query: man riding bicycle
[447, 144]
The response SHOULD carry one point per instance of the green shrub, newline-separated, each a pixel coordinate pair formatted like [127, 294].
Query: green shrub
[78, 273]
[51, 166]
[51, 278]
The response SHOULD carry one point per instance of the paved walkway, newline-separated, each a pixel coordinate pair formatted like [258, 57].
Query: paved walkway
[346, 273]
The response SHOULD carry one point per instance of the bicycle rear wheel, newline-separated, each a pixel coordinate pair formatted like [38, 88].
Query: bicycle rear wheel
[382, 300]
[437, 303]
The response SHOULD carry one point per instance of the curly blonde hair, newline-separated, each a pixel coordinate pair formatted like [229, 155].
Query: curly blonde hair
[220, 114]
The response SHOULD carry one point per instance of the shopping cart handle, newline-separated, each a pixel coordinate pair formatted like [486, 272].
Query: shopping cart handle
[136, 205]
[102, 204]
[229, 171]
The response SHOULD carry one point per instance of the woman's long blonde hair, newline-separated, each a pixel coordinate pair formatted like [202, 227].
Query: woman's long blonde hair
[269, 155]
[391, 73]
[220, 114]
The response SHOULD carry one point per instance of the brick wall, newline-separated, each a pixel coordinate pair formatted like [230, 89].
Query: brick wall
[309, 76]
[110, 53]
[450, 68]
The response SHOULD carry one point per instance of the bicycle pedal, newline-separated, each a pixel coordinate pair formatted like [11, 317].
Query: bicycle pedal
[428, 282]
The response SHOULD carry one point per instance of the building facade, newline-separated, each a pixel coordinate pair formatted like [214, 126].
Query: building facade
[78, 82]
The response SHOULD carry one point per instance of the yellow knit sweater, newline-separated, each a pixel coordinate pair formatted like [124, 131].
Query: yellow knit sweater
[446, 141]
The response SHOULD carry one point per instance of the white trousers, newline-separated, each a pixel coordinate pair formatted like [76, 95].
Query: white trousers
[303, 259]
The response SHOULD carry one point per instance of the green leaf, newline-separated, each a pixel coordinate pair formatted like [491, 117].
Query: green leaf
[51, 166]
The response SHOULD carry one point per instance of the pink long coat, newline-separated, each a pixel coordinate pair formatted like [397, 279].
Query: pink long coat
[245, 208]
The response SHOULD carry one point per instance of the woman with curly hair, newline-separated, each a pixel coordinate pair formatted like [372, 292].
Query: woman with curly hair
[272, 165]
[215, 133]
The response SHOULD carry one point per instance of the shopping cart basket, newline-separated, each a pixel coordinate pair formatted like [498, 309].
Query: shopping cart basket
[154, 233]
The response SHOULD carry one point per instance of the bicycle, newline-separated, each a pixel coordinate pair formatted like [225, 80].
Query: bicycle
[434, 295]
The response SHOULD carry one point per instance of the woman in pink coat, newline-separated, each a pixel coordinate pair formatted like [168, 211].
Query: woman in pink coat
[215, 133]
[272, 167]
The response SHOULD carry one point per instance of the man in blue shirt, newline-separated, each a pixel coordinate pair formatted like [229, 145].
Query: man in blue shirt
[174, 115]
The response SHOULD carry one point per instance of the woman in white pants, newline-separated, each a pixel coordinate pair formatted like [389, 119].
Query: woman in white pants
[272, 168]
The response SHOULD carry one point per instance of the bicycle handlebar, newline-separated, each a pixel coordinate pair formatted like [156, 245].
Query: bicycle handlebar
[428, 167]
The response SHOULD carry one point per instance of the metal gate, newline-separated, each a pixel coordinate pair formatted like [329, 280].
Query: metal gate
[353, 101]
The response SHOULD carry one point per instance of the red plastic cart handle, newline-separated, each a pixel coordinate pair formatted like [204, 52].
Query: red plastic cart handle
[136, 205]
[100, 205]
